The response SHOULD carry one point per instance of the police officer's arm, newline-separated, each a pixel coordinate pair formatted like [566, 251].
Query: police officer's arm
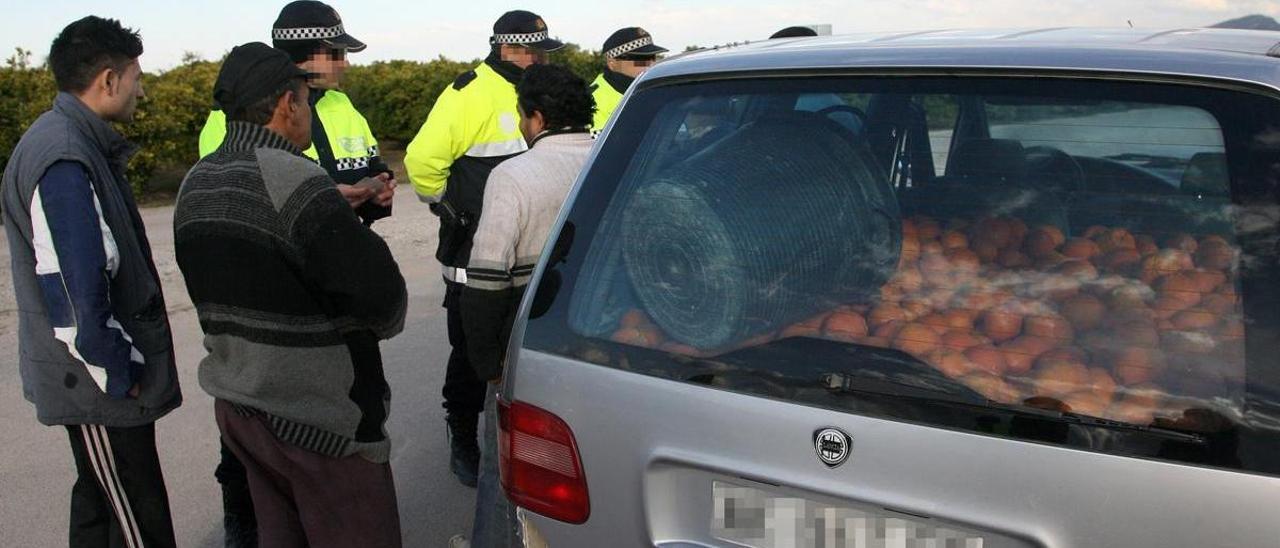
[215, 130]
[372, 209]
[376, 165]
[440, 141]
[488, 297]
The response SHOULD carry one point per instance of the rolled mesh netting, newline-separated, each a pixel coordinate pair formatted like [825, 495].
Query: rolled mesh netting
[769, 226]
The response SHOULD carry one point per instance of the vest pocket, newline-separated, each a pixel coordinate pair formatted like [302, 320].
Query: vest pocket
[151, 311]
[149, 329]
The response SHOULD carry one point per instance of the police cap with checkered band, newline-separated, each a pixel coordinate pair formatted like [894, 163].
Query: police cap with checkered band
[523, 28]
[631, 43]
[309, 21]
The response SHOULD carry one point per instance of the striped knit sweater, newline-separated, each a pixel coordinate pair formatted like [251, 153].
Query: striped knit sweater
[522, 200]
[293, 294]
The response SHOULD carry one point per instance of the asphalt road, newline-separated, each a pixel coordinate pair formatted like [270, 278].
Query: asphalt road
[36, 470]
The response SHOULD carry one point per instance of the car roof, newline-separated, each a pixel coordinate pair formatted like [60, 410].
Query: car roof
[1239, 55]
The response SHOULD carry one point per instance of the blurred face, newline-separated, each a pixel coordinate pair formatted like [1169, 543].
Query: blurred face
[122, 90]
[327, 66]
[522, 56]
[632, 67]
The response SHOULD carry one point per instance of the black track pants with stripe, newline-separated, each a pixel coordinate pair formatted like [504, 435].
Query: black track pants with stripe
[119, 498]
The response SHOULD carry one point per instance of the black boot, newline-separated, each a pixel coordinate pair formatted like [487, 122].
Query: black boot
[464, 452]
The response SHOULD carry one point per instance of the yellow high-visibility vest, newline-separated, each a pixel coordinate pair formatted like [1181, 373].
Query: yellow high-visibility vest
[607, 100]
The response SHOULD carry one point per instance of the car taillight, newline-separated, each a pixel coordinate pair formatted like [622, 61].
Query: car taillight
[539, 463]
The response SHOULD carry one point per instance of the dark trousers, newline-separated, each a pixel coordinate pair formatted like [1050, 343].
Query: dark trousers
[240, 527]
[119, 498]
[463, 392]
[305, 499]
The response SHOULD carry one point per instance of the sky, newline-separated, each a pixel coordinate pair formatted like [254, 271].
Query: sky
[420, 30]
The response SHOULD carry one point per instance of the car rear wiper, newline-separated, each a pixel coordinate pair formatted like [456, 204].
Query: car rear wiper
[844, 383]
[1169, 161]
[887, 370]
[886, 386]
[712, 373]
[894, 372]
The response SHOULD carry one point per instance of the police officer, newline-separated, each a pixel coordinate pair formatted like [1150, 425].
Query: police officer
[312, 34]
[472, 128]
[627, 53]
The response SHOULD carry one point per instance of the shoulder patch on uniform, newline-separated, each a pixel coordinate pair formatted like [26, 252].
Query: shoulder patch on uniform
[463, 79]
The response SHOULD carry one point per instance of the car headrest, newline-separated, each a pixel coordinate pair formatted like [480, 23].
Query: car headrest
[990, 160]
[1206, 175]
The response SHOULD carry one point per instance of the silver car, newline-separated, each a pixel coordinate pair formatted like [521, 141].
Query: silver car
[964, 288]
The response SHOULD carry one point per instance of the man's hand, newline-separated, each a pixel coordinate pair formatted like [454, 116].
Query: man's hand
[133, 392]
[356, 196]
[388, 193]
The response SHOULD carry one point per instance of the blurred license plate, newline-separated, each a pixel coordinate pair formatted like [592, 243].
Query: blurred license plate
[760, 519]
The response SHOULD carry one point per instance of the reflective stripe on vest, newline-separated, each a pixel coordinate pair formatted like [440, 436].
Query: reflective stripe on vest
[500, 148]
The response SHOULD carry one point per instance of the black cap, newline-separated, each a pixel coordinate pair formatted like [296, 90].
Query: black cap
[307, 21]
[523, 28]
[794, 32]
[631, 42]
[250, 73]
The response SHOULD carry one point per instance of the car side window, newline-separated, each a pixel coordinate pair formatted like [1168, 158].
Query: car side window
[1119, 147]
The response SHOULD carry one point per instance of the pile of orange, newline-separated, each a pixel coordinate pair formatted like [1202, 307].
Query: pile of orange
[1097, 324]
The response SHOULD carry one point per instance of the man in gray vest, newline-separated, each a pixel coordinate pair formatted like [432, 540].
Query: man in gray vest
[96, 355]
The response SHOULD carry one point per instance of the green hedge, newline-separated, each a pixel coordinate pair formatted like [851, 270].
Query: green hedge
[25, 92]
[167, 125]
[395, 96]
[585, 63]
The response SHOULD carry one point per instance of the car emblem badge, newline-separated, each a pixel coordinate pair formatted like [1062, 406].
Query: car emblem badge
[833, 446]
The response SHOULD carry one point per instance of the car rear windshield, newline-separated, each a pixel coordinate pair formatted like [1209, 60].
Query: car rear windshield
[1087, 263]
